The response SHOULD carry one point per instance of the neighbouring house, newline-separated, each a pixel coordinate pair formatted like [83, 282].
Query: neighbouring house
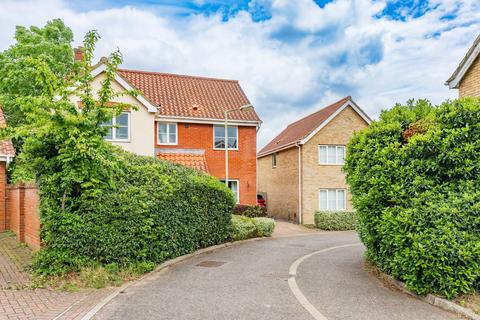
[300, 170]
[466, 77]
[180, 118]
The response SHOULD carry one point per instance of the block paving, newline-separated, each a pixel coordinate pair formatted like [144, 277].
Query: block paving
[17, 301]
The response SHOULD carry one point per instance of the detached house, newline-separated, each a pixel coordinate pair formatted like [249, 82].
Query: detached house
[466, 77]
[180, 118]
[300, 170]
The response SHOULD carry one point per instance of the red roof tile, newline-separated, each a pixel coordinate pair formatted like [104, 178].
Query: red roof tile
[192, 160]
[189, 96]
[302, 128]
[6, 146]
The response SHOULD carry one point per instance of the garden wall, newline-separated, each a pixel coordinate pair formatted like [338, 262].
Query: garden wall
[19, 210]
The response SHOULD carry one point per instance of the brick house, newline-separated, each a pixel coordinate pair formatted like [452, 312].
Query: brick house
[180, 118]
[300, 170]
[466, 77]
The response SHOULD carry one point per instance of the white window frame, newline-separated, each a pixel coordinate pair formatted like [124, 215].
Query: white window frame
[226, 142]
[238, 187]
[274, 160]
[114, 129]
[337, 147]
[336, 199]
[168, 133]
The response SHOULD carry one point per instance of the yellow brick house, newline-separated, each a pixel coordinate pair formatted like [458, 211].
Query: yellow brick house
[466, 77]
[300, 170]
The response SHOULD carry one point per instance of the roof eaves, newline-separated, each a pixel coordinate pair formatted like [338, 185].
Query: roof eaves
[457, 76]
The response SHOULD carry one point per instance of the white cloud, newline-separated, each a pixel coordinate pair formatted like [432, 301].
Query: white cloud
[294, 63]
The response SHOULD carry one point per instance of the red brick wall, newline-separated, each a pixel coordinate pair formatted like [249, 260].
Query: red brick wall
[21, 207]
[242, 162]
[3, 185]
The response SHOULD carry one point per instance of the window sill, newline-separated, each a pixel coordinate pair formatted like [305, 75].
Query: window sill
[119, 140]
[331, 164]
[167, 144]
[223, 149]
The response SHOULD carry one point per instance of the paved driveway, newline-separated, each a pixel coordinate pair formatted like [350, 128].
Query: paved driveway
[251, 281]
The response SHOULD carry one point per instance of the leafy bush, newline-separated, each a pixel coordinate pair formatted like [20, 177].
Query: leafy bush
[155, 211]
[415, 180]
[264, 226]
[246, 228]
[336, 220]
[243, 228]
[250, 211]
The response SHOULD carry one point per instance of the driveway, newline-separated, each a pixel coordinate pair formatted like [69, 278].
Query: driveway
[251, 281]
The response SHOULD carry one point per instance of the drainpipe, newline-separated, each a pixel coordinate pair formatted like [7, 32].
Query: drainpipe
[300, 214]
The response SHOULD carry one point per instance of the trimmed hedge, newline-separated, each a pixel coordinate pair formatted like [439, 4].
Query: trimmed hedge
[415, 180]
[250, 211]
[154, 211]
[336, 220]
[245, 228]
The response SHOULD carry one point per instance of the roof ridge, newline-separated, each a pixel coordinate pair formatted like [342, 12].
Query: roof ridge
[177, 75]
[314, 113]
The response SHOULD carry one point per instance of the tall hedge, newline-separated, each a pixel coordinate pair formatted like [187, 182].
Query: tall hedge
[155, 211]
[415, 179]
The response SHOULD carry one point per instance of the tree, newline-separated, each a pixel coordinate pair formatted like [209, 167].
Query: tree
[36, 64]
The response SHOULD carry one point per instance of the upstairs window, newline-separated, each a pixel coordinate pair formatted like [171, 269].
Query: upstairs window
[328, 154]
[219, 137]
[274, 160]
[118, 128]
[167, 133]
[332, 199]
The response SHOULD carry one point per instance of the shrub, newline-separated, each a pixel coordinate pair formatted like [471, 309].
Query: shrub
[155, 211]
[415, 180]
[246, 228]
[336, 220]
[250, 211]
[243, 228]
[264, 226]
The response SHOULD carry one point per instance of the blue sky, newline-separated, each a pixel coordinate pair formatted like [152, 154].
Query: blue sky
[291, 57]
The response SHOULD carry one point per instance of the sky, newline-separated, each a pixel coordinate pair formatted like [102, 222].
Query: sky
[291, 57]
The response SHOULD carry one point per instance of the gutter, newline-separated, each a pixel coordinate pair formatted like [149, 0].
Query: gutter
[300, 213]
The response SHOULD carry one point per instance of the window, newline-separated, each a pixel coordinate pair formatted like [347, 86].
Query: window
[166, 133]
[331, 154]
[118, 127]
[219, 137]
[274, 160]
[332, 199]
[234, 186]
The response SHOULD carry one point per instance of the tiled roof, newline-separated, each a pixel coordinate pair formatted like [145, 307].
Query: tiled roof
[302, 128]
[192, 160]
[6, 146]
[189, 96]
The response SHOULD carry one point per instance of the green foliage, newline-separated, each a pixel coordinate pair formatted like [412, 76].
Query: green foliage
[155, 211]
[264, 226]
[245, 228]
[36, 64]
[336, 220]
[415, 180]
[250, 211]
[100, 205]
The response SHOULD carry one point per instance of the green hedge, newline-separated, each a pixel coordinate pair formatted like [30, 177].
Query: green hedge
[246, 228]
[250, 211]
[336, 220]
[154, 211]
[415, 180]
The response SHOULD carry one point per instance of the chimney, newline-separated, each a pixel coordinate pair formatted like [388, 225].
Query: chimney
[78, 52]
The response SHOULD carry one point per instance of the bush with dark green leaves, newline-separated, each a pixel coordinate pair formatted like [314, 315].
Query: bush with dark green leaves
[336, 220]
[250, 210]
[415, 179]
[155, 211]
[245, 228]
